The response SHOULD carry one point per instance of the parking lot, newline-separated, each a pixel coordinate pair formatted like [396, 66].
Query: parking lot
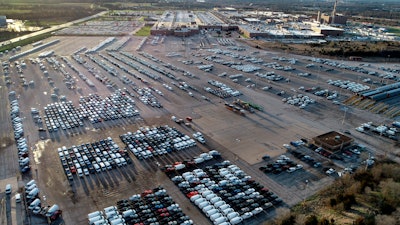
[84, 98]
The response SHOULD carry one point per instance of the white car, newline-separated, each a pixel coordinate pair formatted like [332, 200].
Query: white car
[17, 197]
[299, 166]
[247, 215]
[330, 171]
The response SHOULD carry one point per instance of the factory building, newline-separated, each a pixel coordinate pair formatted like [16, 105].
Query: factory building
[326, 30]
[337, 19]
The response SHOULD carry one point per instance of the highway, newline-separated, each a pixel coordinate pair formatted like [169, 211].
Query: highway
[51, 29]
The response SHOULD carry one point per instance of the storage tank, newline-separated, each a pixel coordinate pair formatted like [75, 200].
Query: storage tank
[379, 96]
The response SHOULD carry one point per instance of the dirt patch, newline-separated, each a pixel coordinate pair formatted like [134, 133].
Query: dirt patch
[5, 142]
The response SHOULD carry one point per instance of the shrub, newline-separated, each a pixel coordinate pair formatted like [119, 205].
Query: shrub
[386, 208]
[332, 202]
[290, 220]
[311, 220]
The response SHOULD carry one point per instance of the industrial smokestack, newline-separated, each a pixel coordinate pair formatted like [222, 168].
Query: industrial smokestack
[319, 17]
[334, 12]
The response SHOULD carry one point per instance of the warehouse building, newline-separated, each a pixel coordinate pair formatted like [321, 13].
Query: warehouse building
[333, 141]
[338, 19]
[384, 92]
[326, 30]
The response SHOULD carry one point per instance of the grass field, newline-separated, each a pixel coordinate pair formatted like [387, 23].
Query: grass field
[45, 14]
[25, 42]
[145, 31]
[394, 30]
[5, 35]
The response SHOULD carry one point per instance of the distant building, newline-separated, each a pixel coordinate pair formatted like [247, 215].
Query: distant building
[327, 30]
[3, 21]
[333, 141]
[338, 19]
[355, 58]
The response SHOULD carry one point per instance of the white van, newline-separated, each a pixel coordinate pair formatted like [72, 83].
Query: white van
[97, 167]
[108, 165]
[219, 203]
[232, 215]
[8, 189]
[117, 221]
[195, 197]
[110, 208]
[211, 212]
[203, 204]
[33, 193]
[227, 211]
[220, 220]
[35, 203]
[208, 208]
[215, 199]
[118, 162]
[30, 188]
[123, 161]
[236, 220]
[96, 218]
[128, 213]
[52, 210]
[215, 216]
[199, 200]
[101, 222]
[223, 207]
[210, 196]
[103, 167]
[80, 173]
[24, 161]
[17, 198]
[86, 159]
[198, 160]
[111, 214]
[94, 214]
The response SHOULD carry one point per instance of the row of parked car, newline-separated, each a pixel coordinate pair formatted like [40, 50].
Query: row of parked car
[92, 158]
[224, 192]
[147, 97]
[360, 69]
[148, 142]
[283, 163]
[116, 106]
[34, 202]
[152, 207]
[190, 164]
[223, 90]
[20, 140]
[64, 115]
[61, 115]
[306, 158]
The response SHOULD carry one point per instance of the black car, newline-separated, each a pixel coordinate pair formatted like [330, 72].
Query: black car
[266, 157]
[91, 168]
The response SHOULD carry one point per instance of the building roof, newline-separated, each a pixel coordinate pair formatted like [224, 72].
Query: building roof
[253, 20]
[333, 140]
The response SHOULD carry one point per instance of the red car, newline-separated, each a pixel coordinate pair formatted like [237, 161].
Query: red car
[163, 210]
[190, 194]
[73, 170]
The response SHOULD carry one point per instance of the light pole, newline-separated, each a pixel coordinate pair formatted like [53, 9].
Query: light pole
[344, 114]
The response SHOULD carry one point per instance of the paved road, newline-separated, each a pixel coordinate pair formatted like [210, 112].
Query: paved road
[51, 29]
